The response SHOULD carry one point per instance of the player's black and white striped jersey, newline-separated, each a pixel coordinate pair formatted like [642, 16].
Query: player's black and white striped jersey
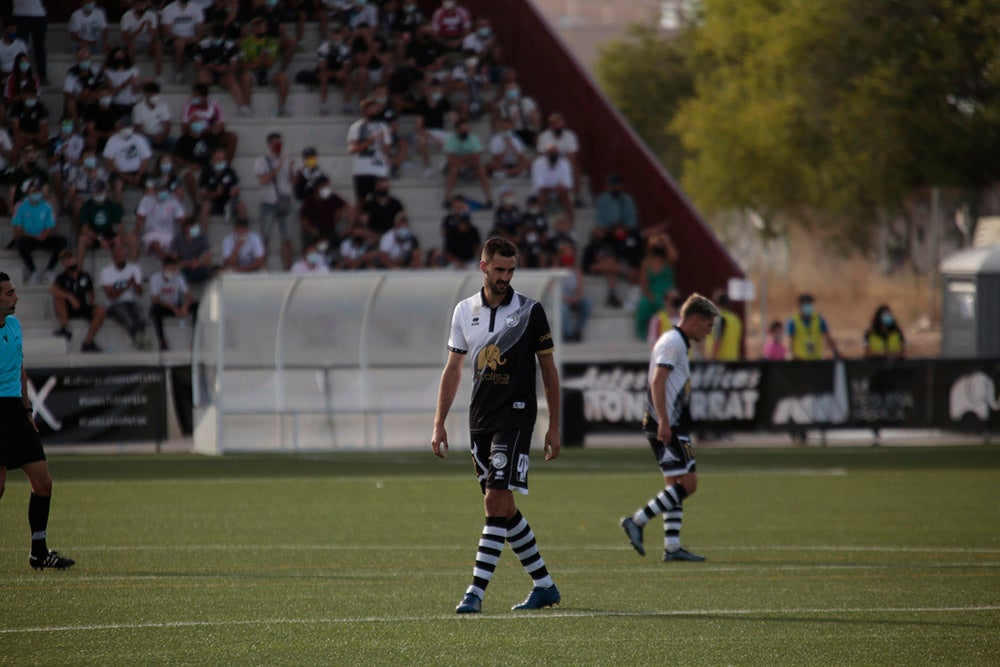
[502, 343]
[671, 352]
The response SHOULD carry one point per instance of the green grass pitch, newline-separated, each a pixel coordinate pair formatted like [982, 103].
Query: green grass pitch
[880, 556]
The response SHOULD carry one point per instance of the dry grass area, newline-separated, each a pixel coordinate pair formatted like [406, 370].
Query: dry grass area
[847, 292]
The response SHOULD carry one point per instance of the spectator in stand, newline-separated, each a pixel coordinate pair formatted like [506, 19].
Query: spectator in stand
[10, 47]
[368, 141]
[121, 282]
[565, 140]
[536, 242]
[275, 173]
[20, 80]
[82, 86]
[357, 249]
[73, 299]
[507, 218]
[368, 66]
[508, 156]
[562, 230]
[614, 206]
[126, 156]
[193, 253]
[552, 177]
[461, 241]
[219, 191]
[469, 81]
[182, 23]
[884, 339]
[31, 23]
[656, 278]
[451, 23]
[399, 146]
[64, 150]
[140, 33]
[100, 120]
[200, 107]
[82, 180]
[27, 172]
[259, 54]
[575, 305]
[123, 78]
[151, 116]
[321, 214]
[88, 27]
[308, 175]
[481, 41]
[243, 250]
[398, 247]
[169, 297]
[313, 261]
[424, 49]
[228, 14]
[272, 15]
[432, 112]
[774, 346]
[601, 258]
[34, 227]
[157, 220]
[668, 316]
[29, 121]
[406, 24]
[334, 55]
[464, 152]
[100, 223]
[362, 13]
[520, 110]
[217, 59]
[381, 208]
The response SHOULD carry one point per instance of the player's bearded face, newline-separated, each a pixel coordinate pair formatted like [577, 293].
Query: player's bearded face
[499, 273]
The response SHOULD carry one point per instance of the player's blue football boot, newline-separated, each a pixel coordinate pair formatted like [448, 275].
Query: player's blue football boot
[633, 532]
[682, 554]
[470, 604]
[540, 598]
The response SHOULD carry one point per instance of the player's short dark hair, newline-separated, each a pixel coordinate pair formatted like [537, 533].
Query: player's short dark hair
[697, 304]
[4, 278]
[272, 136]
[496, 245]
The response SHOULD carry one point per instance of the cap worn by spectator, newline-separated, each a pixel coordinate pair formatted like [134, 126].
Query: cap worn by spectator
[308, 151]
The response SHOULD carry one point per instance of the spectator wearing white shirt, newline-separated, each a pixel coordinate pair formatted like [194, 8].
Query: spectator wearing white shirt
[481, 41]
[569, 147]
[32, 23]
[10, 48]
[123, 77]
[126, 155]
[182, 23]
[508, 156]
[151, 116]
[313, 261]
[521, 110]
[140, 31]
[157, 219]
[398, 247]
[88, 27]
[368, 141]
[242, 249]
[552, 177]
[169, 297]
[275, 174]
[121, 282]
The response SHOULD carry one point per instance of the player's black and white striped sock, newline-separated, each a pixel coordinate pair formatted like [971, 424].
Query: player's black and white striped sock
[672, 529]
[488, 554]
[522, 541]
[669, 498]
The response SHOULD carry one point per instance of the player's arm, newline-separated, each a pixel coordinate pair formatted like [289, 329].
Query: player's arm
[550, 382]
[451, 377]
[658, 389]
[25, 399]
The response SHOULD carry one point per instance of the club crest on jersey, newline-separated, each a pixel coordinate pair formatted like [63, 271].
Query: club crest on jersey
[499, 460]
[489, 357]
[512, 319]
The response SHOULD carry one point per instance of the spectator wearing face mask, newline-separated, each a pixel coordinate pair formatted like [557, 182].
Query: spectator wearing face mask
[201, 108]
[100, 223]
[382, 208]
[308, 174]
[576, 306]
[82, 179]
[469, 81]
[123, 77]
[368, 141]
[126, 155]
[29, 121]
[219, 190]
[321, 215]
[88, 27]
[157, 220]
[10, 47]
[461, 241]
[169, 297]
[552, 178]
[121, 281]
[808, 332]
[65, 146]
[433, 112]
[182, 23]
[313, 261]
[193, 253]
[521, 110]
[27, 171]
[73, 298]
[508, 156]
[451, 22]
[151, 116]
[507, 218]
[398, 247]
[883, 340]
[217, 59]
[82, 85]
[100, 119]
[243, 250]
[140, 31]
[20, 80]
[464, 152]
[615, 206]
[566, 142]
[357, 251]
[656, 278]
[481, 40]
[667, 316]
[34, 228]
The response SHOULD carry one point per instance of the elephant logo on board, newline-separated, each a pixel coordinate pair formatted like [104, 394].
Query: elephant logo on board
[973, 394]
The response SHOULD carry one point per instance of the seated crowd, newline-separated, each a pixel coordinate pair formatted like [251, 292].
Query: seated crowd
[116, 134]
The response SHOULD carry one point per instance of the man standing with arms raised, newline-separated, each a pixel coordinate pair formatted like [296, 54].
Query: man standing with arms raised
[20, 446]
[502, 332]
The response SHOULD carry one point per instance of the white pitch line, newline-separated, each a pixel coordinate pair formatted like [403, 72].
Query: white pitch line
[541, 615]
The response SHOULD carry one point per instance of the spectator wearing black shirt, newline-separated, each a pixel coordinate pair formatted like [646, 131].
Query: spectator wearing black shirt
[424, 49]
[334, 56]
[219, 190]
[308, 175]
[82, 85]
[100, 119]
[406, 23]
[227, 14]
[273, 16]
[381, 207]
[462, 242]
[73, 298]
[193, 253]
[321, 214]
[29, 121]
[613, 253]
[27, 170]
[507, 218]
[100, 223]
[369, 56]
[432, 113]
[216, 58]
[193, 151]
[535, 239]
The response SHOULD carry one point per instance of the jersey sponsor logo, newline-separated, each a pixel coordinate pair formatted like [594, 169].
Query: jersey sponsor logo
[519, 405]
[490, 357]
[545, 337]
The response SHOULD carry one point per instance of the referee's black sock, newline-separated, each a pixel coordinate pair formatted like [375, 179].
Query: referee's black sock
[488, 554]
[38, 520]
[668, 499]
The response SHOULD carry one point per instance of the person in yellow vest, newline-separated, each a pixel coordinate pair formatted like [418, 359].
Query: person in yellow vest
[725, 341]
[808, 333]
[666, 317]
[884, 339]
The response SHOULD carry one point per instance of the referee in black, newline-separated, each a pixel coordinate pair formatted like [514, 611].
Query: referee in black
[20, 446]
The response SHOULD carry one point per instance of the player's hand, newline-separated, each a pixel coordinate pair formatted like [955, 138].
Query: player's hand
[439, 442]
[553, 445]
[663, 433]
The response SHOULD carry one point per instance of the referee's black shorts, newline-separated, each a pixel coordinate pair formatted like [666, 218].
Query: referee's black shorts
[19, 442]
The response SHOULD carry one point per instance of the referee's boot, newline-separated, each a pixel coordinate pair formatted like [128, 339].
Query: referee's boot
[50, 561]
[540, 598]
[682, 554]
